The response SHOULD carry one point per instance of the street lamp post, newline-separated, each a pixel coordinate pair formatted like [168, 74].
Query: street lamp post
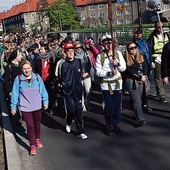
[139, 14]
[60, 23]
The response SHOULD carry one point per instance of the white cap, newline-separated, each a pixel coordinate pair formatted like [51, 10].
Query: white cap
[106, 37]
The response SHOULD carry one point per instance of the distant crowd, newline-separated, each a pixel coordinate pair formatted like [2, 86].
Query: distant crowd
[36, 71]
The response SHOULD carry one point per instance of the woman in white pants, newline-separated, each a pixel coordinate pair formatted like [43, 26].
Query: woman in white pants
[86, 80]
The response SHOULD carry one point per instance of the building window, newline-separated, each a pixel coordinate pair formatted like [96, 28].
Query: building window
[127, 12]
[78, 8]
[119, 22]
[82, 8]
[141, 10]
[92, 15]
[127, 3]
[32, 14]
[26, 15]
[101, 15]
[119, 13]
[91, 7]
[100, 6]
[83, 17]
[142, 1]
[93, 24]
[128, 21]
[116, 4]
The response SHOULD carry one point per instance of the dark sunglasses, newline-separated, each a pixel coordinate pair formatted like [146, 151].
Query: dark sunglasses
[161, 27]
[132, 48]
[108, 42]
[78, 48]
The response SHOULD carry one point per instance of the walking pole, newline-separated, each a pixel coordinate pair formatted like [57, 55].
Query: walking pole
[110, 18]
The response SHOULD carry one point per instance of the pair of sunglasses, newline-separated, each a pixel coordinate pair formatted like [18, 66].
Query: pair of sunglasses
[78, 48]
[132, 48]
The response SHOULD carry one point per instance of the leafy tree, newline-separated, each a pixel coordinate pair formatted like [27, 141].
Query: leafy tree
[42, 6]
[63, 15]
[14, 29]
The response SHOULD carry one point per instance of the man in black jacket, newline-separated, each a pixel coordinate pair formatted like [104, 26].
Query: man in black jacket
[71, 75]
[165, 65]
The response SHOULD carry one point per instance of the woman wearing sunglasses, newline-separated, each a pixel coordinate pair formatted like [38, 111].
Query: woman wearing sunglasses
[86, 80]
[136, 71]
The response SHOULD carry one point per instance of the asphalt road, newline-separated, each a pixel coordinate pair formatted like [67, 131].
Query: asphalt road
[144, 148]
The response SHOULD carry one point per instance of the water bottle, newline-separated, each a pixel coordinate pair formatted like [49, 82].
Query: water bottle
[140, 70]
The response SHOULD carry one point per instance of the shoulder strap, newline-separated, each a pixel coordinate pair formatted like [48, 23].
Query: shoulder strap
[19, 77]
[102, 58]
[116, 54]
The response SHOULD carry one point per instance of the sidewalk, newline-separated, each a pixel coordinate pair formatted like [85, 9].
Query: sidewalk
[12, 156]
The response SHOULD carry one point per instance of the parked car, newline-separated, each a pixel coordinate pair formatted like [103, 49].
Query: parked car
[52, 35]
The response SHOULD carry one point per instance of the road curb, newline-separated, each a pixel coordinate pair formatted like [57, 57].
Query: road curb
[12, 155]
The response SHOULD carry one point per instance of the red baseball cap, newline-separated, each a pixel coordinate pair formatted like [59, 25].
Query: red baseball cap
[68, 45]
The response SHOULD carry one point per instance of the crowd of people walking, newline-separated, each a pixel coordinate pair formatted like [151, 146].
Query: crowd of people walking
[34, 68]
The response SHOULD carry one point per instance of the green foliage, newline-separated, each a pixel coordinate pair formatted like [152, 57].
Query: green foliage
[14, 29]
[62, 15]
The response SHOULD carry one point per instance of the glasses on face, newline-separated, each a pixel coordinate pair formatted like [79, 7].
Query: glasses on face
[160, 27]
[107, 42]
[78, 47]
[132, 48]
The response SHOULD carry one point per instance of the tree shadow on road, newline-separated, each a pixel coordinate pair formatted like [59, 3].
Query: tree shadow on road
[48, 121]
[93, 124]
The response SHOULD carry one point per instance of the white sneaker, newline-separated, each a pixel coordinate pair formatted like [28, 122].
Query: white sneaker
[68, 128]
[82, 136]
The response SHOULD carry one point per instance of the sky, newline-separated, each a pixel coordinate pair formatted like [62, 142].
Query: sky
[7, 4]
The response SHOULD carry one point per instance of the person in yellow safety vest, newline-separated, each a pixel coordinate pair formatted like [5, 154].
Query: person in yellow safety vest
[156, 41]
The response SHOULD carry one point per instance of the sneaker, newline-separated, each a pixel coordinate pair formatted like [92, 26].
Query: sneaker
[82, 136]
[68, 128]
[33, 150]
[163, 100]
[109, 131]
[90, 109]
[117, 130]
[51, 112]
[147, 109]
[142, 123]
[38, 143]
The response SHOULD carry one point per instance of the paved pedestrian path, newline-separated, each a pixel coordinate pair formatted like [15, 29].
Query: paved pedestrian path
[137, 148]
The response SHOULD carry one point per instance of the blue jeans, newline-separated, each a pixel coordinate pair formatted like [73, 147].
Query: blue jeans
[112, 107]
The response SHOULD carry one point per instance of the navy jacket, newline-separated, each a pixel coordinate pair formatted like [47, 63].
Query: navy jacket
[71, 73]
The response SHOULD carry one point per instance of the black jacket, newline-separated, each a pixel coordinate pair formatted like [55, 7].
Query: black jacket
[11, 71]
[165, 64]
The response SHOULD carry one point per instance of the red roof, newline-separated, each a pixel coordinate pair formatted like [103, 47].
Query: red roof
[85, 2]
[30, 5]
[27, 6]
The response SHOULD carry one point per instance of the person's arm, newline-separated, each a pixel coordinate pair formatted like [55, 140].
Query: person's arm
[7, 80]
[43, 92]
[15, 96]
[121, 66]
